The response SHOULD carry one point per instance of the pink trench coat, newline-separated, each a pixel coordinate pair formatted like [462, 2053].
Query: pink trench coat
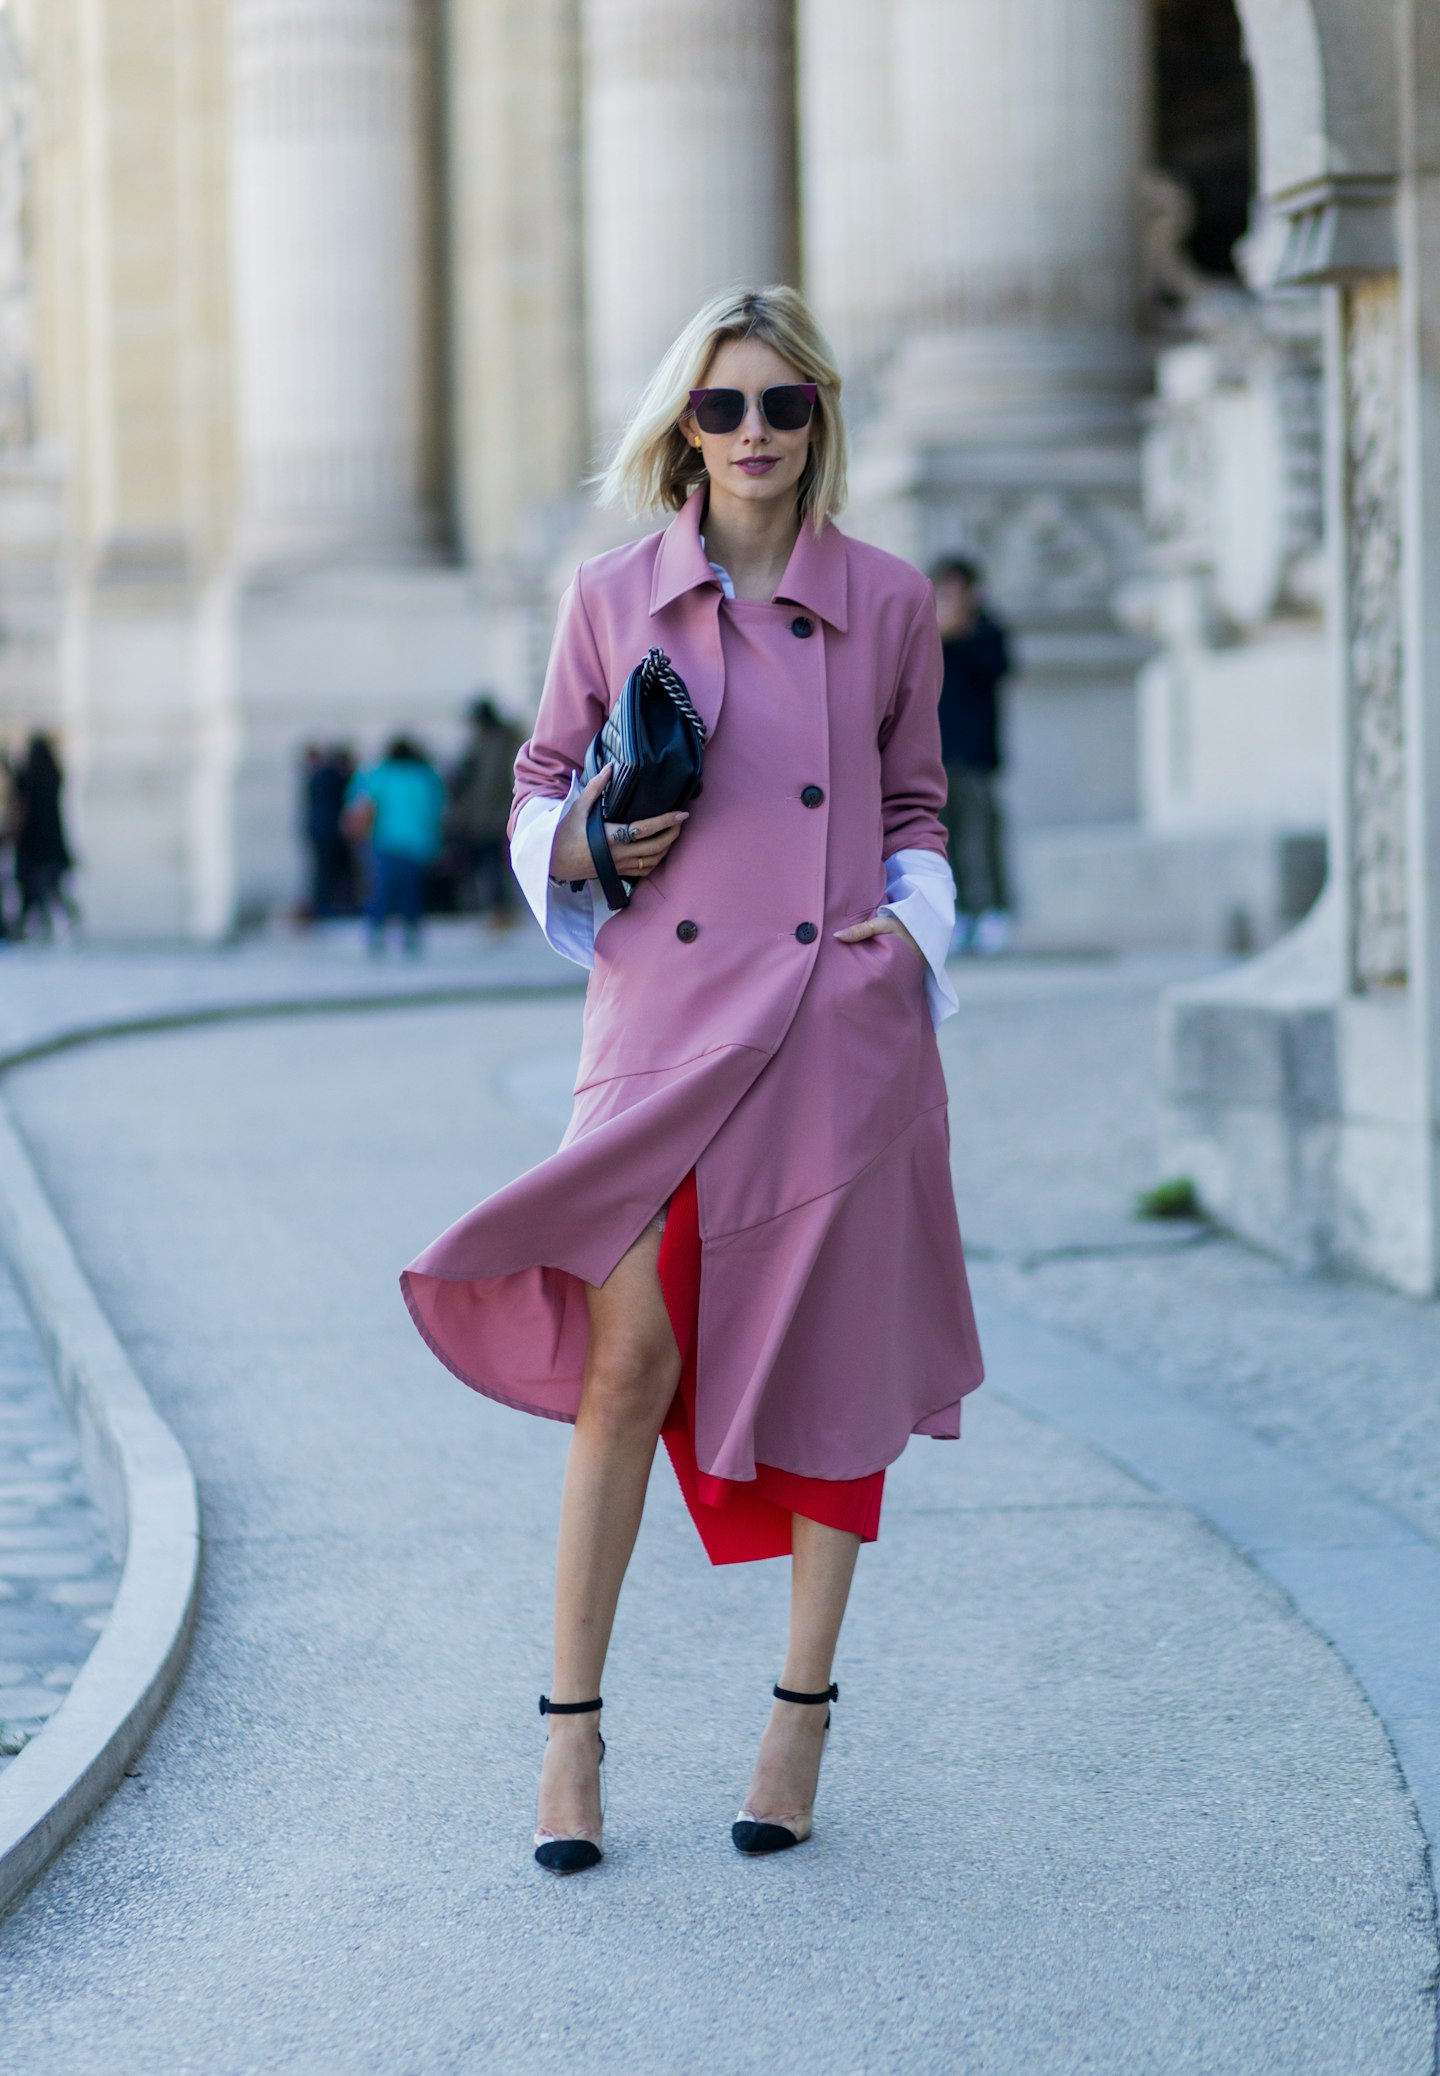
[726, 1028]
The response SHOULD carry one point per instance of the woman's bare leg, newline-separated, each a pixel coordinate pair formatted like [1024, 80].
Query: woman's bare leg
[632, 1367]
[782, 1790]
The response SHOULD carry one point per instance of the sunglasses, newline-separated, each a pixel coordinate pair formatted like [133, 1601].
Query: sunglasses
[785, 407]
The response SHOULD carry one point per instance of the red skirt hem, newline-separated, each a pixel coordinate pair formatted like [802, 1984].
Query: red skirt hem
[740, 1521]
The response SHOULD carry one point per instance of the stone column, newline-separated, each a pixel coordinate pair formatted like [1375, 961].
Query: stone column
[334, 246]
[517, 376]
[1022, 130]
[848, 145]
[130, 251]
[689, 154]
[1004, 422]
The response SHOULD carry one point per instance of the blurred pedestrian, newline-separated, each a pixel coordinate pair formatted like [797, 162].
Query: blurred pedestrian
[9, 828]
[42, 855]
[398, 807]
[326, 777]
[976, 651]
[481, 786]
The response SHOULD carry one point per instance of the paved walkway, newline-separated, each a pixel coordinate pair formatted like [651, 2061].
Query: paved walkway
[1053, 1118]
[50, 995]
[1097, 1798]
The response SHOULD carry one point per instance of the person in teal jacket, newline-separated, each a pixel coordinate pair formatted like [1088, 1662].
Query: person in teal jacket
[398, 806]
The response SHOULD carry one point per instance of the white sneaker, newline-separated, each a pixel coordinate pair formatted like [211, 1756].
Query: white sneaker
[993, 932]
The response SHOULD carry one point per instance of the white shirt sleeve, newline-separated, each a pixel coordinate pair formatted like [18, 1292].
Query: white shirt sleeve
[920, 893]
[569, 919]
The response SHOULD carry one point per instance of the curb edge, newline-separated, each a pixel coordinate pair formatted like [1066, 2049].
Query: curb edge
[142, 1483]
[137, 1472]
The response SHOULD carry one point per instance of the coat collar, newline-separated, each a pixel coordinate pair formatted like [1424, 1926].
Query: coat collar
[816, 576]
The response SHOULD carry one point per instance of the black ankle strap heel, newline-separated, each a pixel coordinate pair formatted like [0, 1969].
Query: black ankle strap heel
[832, 1693]
[752, 1834]
[569, 1855]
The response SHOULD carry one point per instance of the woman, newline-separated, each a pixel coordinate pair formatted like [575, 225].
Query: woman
[757, 1054]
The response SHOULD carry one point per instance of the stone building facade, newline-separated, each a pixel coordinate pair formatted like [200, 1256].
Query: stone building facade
[334, 304]
[315, 315]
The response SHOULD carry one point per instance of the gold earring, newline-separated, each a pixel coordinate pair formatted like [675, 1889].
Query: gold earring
[694, 443]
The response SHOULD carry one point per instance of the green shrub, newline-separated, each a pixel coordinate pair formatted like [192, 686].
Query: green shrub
[1175, 1198]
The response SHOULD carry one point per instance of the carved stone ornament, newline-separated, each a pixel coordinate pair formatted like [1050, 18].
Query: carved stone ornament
[1376, 709]
[1055, 553]
[1232, 459]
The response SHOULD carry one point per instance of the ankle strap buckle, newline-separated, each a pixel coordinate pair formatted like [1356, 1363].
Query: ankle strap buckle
[832, 1693]
[569, 1708]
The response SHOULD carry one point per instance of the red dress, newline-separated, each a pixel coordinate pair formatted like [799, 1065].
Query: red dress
[740, 1520]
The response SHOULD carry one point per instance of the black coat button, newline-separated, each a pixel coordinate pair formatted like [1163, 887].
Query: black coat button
[801, 626]
[806, 932]
[687, 931]
[812, 796]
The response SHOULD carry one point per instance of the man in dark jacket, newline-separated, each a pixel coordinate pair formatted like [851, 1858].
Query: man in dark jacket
[481, 787]
[977, 660]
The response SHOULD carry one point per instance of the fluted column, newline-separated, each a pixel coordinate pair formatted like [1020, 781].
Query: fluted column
[689, 182]
[1022, 128]
[1002, 421]
[850, 237]
[334, 249]
[517, 379]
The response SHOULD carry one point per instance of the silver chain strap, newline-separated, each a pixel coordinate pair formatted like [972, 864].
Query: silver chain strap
[657, 671]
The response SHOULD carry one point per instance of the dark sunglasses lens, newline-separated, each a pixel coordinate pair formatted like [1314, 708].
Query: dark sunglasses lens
[788, 406]
[720, 410]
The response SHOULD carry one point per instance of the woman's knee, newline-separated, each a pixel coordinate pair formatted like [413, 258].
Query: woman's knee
[628, 1390]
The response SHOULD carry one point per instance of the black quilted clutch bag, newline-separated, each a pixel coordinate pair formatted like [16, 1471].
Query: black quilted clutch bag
[656, 742]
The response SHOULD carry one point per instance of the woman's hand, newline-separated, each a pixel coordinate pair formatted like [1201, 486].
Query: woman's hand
[876, 926]
[636, 855]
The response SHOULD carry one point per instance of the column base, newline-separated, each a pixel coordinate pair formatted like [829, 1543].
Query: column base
[1018, 385]
[1122, 887]
[268, 552]
[151, 746]
[187, 709]
[1030, 464]
[350, 655]
[1296, 1109]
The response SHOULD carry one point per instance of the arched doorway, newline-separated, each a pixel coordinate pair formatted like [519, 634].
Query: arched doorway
[1205, 123]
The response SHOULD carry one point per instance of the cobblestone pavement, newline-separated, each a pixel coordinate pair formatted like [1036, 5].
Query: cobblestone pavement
[57, 1575]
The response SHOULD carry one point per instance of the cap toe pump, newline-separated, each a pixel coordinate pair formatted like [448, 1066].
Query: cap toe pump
[570, 1855]
[755, 1836]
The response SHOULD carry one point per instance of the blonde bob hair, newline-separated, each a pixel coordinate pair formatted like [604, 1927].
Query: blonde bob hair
[654, 467]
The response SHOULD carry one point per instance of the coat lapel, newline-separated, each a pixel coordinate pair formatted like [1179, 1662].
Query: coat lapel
[685, 608]
[685, 598]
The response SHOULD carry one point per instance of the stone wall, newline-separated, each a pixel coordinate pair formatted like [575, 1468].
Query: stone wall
[1303, 1092]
